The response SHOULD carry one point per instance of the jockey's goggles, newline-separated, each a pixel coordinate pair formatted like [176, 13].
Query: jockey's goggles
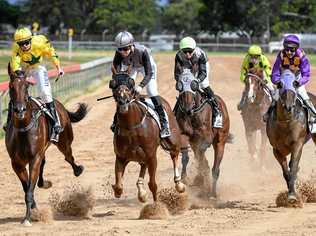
[255, 56]
[24, 43]
[124, 48]
[187, 50]
[290, 49]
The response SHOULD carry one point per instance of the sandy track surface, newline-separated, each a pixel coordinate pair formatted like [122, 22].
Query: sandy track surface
[246, 193]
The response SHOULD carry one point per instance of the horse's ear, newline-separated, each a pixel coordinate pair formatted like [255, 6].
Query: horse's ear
[113, 69]
[129, 69]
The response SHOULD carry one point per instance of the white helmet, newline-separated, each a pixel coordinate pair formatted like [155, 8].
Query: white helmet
[124, 39]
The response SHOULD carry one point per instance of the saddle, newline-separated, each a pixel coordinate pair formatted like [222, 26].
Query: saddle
[150, 108]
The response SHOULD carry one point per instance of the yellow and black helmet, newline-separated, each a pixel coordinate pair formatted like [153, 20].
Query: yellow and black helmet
[22, 34]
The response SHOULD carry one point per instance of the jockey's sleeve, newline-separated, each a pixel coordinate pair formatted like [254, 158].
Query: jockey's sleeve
[202, 67]
[49, 51]
[15, 62]
[177, 67]
[276, 70]
[267, 67]
[147, 67]
[305, 70]
[244, 68]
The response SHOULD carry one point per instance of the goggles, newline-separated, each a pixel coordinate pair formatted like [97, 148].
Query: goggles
[24, 43]
[187, 50]
[290, 49]
[124, 49]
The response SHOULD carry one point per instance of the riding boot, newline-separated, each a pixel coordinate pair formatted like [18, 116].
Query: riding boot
[113, 126]
[242, 102]
[5, 126]
[311, 107]
[217, 117]
[165, 131]
[57, 129]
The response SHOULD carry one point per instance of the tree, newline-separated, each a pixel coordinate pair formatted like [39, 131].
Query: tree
[133, 15]
[8, 13]
[182, 16]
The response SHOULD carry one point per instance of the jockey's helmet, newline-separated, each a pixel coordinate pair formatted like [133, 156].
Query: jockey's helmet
[255, 50]
[22, 34]
[187, 42]
[124, 39]
[291, 41]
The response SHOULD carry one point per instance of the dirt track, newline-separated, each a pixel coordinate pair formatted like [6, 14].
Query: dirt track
[247, 195]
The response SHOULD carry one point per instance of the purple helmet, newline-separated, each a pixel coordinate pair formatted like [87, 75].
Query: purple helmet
[291, 41]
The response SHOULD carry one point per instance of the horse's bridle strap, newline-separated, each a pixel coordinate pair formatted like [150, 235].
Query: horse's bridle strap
[32, 122]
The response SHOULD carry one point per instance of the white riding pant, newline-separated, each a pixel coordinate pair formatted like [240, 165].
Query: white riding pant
[43, 84]
[151, 87]
[206, 82]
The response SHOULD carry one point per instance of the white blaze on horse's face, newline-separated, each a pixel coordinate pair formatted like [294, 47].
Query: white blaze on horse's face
[186, 78]
[251, 92]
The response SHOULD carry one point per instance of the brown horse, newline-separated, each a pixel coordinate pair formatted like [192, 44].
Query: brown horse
[257, 103]
[194, 115]
[288, 131]
[137, 138]
[27, 138]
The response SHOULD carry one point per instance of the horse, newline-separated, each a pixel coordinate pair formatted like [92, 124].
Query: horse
[258, 100]
[288, 131]
[137, 137]
[27, 138]
[194, 115]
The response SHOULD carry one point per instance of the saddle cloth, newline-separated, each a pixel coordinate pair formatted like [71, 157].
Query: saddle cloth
[149, 106]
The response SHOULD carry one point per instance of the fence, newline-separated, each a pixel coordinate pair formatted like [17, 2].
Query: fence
[77, 78]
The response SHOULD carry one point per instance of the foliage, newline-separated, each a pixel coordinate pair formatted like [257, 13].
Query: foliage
[133, 15]
[8, 13]
[182, 16]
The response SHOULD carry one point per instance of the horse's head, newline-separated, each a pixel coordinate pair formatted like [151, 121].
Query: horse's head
[187, 85]
[18, 91]
[253, 83]
[122, 86]
[287, 90]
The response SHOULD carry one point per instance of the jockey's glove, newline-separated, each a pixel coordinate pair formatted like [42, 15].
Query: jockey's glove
[61, 72]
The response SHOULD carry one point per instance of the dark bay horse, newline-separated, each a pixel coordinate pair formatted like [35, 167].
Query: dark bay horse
[257, 103]
[194, 116]
[137, 138]
[27, 138]
[287, 130]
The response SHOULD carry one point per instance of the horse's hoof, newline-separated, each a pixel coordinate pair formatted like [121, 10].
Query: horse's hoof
[26, 223]
[180, 187]
[45, 185]
[78, 171]
[142, 196]
[117, 191]
[291, 198]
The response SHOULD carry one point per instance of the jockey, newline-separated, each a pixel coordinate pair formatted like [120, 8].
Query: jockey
[195, 59]
[137, 58]
[256, 59]
[27, 55]
[292, 57]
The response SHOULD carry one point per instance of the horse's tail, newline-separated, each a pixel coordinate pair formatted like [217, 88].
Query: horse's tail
[79, 114]
[230, 138]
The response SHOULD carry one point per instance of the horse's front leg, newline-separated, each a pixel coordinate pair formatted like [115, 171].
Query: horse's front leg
[295, 159]
[218, 156]
[180, 187]
[119, 171]
[263, 146]
[142, 194]
[283, 162]
[41, 182]
[251, 141]
[184, 161]
[152, 167]
[34, 168]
